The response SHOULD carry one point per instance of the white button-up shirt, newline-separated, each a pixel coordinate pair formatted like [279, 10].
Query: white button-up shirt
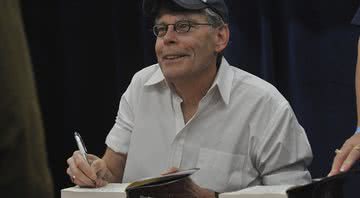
[244, 132]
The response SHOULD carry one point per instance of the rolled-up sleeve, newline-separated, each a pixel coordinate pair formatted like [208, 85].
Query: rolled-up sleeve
[119, 136]
[284, 152]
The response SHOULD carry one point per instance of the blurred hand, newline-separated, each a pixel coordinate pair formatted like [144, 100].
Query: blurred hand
[347, 155]
[84, 174]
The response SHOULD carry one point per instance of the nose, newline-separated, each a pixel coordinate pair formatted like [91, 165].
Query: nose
[170, 35]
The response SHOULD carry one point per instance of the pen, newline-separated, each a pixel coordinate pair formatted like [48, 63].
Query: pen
[82, 149]
[81, 146]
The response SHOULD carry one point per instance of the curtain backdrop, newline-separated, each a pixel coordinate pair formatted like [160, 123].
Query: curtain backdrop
[85, 52]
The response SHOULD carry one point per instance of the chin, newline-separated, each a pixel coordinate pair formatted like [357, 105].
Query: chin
[173, 70]
[172, 75]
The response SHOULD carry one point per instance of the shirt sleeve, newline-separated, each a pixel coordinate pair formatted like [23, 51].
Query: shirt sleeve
[119, 136]
[284, 152]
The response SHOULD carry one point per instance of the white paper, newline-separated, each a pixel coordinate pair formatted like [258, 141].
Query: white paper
[112, 187]
[259, 191]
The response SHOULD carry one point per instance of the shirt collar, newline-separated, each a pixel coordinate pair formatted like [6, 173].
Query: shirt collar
[223, 80]
[156, 78]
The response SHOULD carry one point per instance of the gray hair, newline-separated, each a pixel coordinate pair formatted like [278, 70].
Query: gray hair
[216, 21]
[213, 18]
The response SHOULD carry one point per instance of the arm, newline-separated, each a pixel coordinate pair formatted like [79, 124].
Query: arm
[282, 152]
[111, 167]
[116, 164]
[350, 151]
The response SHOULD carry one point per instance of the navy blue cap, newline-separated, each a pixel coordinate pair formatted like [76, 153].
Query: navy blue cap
[151, 7]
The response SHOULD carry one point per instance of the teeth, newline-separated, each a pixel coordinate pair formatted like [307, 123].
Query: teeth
[172, 57]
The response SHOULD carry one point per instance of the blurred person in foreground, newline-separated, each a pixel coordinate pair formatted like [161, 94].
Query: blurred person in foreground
[23, 161]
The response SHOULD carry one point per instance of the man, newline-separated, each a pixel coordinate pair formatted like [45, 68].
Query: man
[23, 164]
[350, 151]
[193, 109]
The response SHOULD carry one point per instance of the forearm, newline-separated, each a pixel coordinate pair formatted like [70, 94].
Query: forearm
[115, 163]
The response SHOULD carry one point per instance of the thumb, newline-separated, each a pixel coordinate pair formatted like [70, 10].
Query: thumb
[101, 182]
[99, 167]
[170, 170]
[92, 157]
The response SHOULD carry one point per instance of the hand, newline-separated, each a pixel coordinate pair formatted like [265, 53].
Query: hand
[87, 175]
[347, 155]
[184, 188]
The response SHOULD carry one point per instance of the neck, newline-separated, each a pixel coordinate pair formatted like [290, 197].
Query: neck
[192, 90]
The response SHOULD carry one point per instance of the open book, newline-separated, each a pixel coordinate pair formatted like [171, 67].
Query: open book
[123, 190]
[327, 187]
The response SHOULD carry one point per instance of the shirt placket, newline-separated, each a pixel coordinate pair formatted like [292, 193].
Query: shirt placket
[177, 148]
[178, 142]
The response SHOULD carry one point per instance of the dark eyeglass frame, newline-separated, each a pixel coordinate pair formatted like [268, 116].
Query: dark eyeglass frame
[177, 27]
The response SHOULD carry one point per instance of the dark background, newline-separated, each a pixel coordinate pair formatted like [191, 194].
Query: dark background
[84, 53]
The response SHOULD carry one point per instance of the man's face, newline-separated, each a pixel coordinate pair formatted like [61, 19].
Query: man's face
[188, 54]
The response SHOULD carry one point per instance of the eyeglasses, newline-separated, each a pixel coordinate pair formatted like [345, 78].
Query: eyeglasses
[179, 27]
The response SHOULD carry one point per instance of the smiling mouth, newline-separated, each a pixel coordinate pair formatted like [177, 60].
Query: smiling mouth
[173, 57]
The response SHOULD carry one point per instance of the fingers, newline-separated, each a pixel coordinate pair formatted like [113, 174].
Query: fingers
[76, 176]
[339, 159]
[83, 165]
[92, 158]
[80, 171]
[100, 168]
[101, 182]
[347, 155]
[353, 156]
[170, 170]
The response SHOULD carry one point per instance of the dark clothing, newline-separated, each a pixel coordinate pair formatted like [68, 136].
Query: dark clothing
[23, 164]
[356, 19]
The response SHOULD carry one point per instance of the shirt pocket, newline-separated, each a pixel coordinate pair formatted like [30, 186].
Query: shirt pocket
[219, 171]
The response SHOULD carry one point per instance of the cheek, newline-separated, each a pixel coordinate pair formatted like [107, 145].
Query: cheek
[157, 48]
[205, 50]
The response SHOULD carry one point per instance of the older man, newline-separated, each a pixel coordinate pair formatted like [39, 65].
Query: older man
[193, 109]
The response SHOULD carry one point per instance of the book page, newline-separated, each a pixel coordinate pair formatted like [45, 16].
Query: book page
[111, 187]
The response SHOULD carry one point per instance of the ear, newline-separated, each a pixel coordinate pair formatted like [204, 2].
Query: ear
[222, 38]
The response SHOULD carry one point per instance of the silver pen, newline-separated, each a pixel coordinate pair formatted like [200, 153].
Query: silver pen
[81, 146]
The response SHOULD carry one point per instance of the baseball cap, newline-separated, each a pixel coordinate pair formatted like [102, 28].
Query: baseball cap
[151, 7]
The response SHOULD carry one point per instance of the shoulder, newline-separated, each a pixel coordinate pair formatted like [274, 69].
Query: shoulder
[148, 74]
[255, 88]
[145, 74]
